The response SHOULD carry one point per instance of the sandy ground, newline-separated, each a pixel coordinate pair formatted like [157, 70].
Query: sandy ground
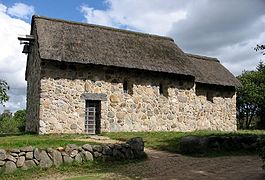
[164, 165]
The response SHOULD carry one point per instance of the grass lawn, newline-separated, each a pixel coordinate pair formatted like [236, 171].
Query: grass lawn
[169, 141]
[40, 141]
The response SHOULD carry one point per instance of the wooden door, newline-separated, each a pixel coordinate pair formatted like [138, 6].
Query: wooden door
[92, 118]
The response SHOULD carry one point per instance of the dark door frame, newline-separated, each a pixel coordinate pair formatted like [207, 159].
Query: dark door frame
[97, 105]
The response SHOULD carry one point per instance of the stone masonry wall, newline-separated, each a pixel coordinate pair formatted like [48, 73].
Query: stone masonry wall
[142, 109]
[29, 157]
[33, 90]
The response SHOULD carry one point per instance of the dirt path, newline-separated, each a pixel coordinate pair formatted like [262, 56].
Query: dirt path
[165, 165]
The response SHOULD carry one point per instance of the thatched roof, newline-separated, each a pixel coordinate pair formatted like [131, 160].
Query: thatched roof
[68, 41]
[210, 71]
[92, 44]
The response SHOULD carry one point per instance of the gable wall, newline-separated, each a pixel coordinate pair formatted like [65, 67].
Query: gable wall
[63, 111]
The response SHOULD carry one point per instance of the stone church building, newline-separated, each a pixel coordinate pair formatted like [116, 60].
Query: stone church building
[85, 78]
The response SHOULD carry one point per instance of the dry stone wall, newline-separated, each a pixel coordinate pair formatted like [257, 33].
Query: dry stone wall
[29, 157]
[62, 108]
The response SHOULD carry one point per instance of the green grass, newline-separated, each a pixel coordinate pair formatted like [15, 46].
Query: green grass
[169, 141]
[40, 141]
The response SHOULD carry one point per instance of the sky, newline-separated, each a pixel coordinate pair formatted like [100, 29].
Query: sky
[227, 29]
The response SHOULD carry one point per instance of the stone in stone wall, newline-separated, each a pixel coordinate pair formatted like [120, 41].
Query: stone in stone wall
[62, 110]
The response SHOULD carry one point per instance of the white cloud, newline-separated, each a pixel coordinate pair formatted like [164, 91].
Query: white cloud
[156, 17]
[21, 10]
[228, 30]
[12, 61]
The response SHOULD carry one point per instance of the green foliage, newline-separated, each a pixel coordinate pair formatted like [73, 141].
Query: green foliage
[251, 96]
[8, 125]
[12, 124]
[3, 88]
[20, 118]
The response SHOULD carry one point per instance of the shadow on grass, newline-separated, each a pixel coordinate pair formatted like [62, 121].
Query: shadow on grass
[78, 171]
[15, 134]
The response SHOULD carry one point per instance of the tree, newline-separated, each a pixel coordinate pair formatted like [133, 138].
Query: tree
[11, 124]
[3, 89]
[20, 118]
[251, 96]
[260, 48]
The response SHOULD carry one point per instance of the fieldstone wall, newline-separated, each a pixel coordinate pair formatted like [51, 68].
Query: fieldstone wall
[204, 145]
[29, 157]
[143, 108]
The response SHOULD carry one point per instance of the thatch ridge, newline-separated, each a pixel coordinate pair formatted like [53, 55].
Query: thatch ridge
[103, 27]
[201, 57]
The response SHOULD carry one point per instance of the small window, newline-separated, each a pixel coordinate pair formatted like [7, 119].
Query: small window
[209, 96]
[161, 90]
[125, 86]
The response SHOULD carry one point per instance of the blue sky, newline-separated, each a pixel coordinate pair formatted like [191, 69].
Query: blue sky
[225, 29]
[63, 9]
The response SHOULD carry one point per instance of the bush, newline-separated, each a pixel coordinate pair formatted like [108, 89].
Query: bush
[8, 125]
[13, 124]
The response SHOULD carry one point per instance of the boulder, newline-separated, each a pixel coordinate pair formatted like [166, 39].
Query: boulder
[2, 163]
[45, 161]
[136, 143]
[67, 159]
[29, 155]
[2, 154]
[78, 158]
[57, 158]
[97, 148]
[20, 161]
[21, 154]
[87, 147]
[97, 154]
[70, 147]
[137, 146]
[61, 149]
[129, 154]
[193, 145]
[26, 149]
[106, 150]
[28, 164]
[74, 153]
[117, 154]
[36, 154]
[88, 156]
[11, 158]
[10, 167]
[14, 154]
[15, 151]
